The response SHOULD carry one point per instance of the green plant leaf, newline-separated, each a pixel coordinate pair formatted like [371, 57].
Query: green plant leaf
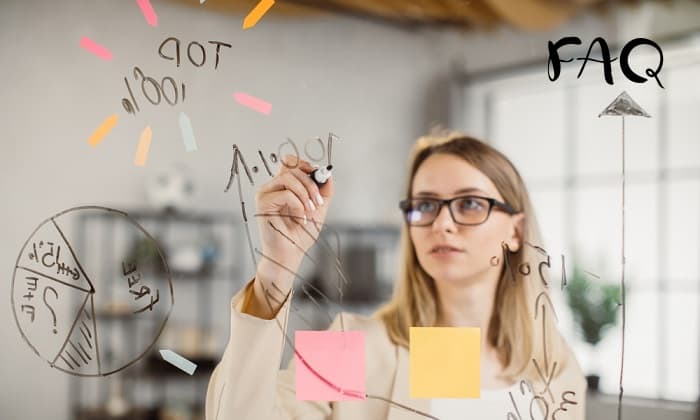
[594, 305]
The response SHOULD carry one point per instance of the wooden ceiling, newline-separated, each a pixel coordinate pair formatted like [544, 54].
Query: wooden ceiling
[530, 15]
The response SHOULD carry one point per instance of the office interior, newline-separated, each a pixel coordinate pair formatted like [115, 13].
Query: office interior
[374, 76]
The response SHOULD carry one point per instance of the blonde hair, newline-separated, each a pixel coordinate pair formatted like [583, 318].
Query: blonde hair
[513, 330]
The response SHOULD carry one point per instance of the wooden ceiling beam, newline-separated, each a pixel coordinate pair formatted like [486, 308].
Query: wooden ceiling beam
[413, 14]
[382, 12]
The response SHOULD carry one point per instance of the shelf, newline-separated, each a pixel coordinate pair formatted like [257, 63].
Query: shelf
[155, 367]
[206, 274]
[215, 237]
[194, 217]
[121, 315]
[132, 414]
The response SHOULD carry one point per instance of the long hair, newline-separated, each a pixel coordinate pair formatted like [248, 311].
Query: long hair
[514, 331]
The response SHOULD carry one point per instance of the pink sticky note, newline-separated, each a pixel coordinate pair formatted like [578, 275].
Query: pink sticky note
[253, 103]
[96, 48]
[330, 365]
[148, 12]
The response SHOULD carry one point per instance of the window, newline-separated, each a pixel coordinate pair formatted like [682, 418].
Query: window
[572, 163]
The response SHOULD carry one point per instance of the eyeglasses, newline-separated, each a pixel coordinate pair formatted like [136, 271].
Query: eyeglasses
[466, 210]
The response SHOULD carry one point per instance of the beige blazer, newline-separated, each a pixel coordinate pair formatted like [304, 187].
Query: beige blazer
[248, 384]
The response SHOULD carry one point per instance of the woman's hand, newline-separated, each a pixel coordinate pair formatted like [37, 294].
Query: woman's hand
[291, 210]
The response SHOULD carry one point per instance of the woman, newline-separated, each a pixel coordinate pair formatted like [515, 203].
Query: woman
[468, 260]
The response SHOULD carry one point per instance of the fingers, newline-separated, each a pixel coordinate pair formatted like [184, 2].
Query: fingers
[327, 189]
[289, 182]
[311, 187]
[292, 192]
[313, 197]
[291, 162]
[301, 169]
[291, 207]
[285, 203]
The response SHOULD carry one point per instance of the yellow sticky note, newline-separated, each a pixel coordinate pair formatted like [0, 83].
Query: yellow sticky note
[445, 362]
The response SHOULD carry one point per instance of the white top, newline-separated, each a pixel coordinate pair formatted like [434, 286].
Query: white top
[494, 404]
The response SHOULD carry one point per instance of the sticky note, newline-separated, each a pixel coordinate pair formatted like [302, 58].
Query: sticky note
[178, 361]
[330, 365]
[444, 362]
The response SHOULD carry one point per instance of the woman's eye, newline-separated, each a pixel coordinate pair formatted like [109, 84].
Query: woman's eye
[470, 204]
[424, 206]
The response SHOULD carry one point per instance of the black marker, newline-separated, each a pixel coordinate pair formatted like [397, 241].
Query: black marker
[321, 175]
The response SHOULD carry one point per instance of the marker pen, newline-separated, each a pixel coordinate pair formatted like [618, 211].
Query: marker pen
[321, 175]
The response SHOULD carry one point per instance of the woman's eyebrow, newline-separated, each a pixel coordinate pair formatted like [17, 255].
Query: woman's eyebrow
[469, 190]
[458, 192]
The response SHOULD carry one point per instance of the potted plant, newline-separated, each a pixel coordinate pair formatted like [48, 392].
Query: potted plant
[594, 306]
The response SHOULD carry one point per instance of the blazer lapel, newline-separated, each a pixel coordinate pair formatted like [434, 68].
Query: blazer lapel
[401, 391]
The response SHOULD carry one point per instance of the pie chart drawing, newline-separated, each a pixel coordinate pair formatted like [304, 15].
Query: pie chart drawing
[64, 298]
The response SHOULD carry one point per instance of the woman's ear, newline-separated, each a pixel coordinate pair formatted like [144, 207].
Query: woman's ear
[515, 237]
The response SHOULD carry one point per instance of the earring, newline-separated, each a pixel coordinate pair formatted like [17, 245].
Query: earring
[495, 261]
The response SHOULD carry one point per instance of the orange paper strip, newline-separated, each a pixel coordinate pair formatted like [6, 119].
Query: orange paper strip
[142, 149]
[104, 129]
[258, 11]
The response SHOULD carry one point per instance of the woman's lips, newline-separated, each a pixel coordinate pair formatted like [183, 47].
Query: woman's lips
[445, 252]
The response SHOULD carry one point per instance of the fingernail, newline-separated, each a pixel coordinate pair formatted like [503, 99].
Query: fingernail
[319, 199]
[311, 204]
[304, 219]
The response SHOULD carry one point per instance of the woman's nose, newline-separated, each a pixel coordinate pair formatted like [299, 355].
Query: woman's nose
[444, 221]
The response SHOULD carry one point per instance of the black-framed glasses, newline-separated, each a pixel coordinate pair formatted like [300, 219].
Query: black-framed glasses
[466, 210]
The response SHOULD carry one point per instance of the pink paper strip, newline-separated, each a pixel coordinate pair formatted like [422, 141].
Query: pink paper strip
[148, 12]
[96, 48]
[253, 103]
